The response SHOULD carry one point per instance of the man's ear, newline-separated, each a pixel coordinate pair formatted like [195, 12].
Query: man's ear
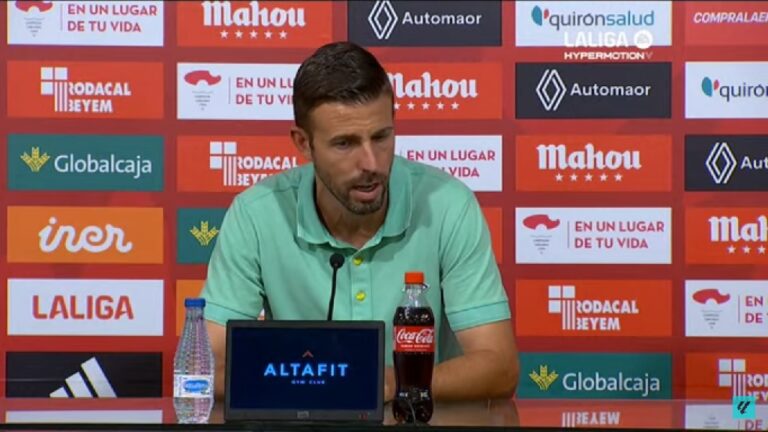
[301, 140]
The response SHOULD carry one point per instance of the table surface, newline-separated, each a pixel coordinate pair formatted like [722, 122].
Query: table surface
[158, 414]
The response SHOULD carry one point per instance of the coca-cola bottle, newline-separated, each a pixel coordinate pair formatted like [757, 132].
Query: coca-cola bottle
[414, 353]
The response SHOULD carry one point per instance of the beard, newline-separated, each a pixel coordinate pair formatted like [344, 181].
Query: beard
[344, 197]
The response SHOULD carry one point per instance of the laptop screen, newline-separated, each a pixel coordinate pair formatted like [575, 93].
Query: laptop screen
[290, 369]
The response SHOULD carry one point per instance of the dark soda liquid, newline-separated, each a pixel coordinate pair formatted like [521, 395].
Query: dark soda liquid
[413, 395]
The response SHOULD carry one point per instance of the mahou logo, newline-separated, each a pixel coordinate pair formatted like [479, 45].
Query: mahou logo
[414, 339]
[85, 89]
[726, 235]
[594, 308]
[609, 163]
[85, 234]
[724, 376]
[446, 90]
[254, 23]
[230, 163]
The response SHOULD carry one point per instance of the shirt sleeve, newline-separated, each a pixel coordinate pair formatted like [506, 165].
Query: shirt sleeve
[473, 292]
[233, 288]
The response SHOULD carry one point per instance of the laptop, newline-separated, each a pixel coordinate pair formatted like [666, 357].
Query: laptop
[305, 371]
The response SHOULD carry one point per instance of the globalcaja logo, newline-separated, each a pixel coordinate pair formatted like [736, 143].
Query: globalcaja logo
[446, 91]
[600, 90]
[121, 23]
[85, 162]
[197, 233]
[83, 375]
[88, 307]
[726, 308]
[727, 376]
[307, 370]
[254, 24]
[726, 89]
[726, 235]
[594, 308]
[231, 163]
[726, 162]
[599, 163]
[425, 23]
[595, 376]
[580, 24]
[85, 89]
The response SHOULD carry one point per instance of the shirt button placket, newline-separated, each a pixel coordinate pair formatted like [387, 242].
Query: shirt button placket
[362, 308]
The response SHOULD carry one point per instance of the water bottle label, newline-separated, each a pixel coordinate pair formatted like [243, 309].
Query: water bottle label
[193, 386]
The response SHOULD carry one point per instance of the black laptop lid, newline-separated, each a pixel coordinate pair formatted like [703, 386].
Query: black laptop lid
[305, 370]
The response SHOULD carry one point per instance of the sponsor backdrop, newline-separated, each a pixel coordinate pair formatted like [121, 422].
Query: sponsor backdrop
[619, 151]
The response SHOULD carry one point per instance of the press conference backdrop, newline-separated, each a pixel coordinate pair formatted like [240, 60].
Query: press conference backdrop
[618, 149]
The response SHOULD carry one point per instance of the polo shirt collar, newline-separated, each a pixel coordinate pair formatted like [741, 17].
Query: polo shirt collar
[311, 229]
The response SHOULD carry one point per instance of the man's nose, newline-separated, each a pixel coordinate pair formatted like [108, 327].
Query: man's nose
[367, 157]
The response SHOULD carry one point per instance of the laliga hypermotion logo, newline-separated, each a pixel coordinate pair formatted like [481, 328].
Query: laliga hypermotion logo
[34, 14]
[643, 39]
[307, 371]
[383, 19]
[203, 82]
[721, 163]
[711, 301]
[542, 226]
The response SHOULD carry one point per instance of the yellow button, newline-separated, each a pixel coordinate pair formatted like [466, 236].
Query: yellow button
[360, 296]
[357, 261]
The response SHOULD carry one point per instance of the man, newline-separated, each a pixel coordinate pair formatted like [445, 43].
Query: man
[384, 214]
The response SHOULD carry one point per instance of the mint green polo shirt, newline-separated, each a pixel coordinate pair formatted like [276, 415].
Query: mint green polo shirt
[273, 252]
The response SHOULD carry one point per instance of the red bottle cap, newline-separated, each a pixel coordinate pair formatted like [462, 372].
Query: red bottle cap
[414, 277]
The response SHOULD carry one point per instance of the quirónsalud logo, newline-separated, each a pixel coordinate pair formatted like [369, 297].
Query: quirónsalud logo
[85, 162]
[744, 90]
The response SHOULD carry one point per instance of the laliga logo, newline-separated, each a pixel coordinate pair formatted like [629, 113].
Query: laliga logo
[35, 22]
[202, 80]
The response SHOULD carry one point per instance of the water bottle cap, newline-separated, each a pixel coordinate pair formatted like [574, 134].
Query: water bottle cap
[414, 277]
[194, 302]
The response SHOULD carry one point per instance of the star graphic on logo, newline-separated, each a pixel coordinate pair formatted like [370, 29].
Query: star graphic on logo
[397, 106]
[411, 105]
[574, 177]
[268, 34]
[559, 177]
[425, 106]
[603, 177]
[224, 34]
[283, 34]
[440, 105]
[761, 250]
[731, 249]
[254, 34]
[455, 105]
[617, 177]
[588, 177]
[746, 249]
[239, 34]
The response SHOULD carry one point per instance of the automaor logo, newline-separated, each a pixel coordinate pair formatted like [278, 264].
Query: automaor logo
[593, 235]
[723, 376]
[85, 162]
[726, 308]
[726, 89]
[593, 308]
[235, 91]
[254, 23]
[734, 23]
[726, 162]
[474, 159]
[726, 235]
[577, 90]
[595, 376]
[85, 89]
[577, 24]
[85, 235]
[446, 90]
[104, 23]
[85, 307]
[600, 163]
[231, 163]
[425, 23]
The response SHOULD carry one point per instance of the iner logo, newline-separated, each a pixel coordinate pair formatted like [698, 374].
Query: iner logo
[307, 371]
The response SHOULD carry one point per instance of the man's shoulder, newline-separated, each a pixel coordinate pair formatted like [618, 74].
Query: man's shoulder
[430, 181]
[274, 189]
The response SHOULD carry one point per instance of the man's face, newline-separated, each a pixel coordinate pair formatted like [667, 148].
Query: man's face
[353, 146]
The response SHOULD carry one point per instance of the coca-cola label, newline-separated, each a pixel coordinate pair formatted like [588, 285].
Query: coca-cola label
[414, 339]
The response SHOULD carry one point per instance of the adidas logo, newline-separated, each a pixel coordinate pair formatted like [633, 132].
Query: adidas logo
[89, 382]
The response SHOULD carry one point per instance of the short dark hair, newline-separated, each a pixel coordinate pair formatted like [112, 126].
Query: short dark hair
[337, 72]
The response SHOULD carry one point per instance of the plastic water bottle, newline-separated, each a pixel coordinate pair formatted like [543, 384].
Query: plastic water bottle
[193, 368]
